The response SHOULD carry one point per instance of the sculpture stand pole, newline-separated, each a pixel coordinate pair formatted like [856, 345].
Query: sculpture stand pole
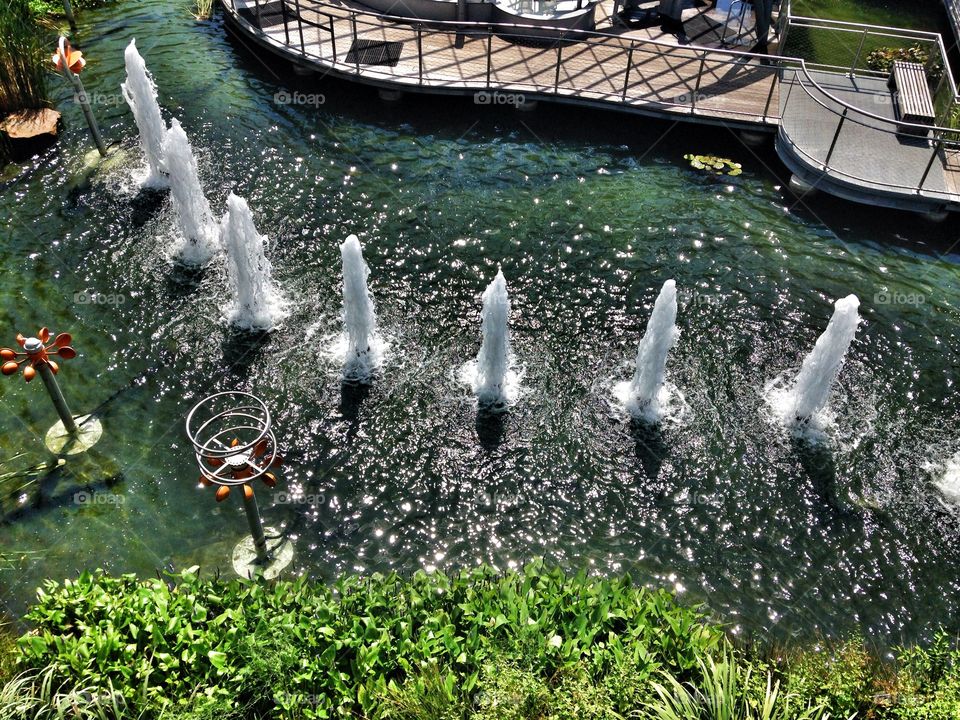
[67, 437]
[34, 347]
[70, 62]
[234, 445]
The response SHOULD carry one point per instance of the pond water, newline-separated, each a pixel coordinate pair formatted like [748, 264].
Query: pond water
[588, 214]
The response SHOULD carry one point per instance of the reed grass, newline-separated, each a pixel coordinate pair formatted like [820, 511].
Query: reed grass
[24, 55]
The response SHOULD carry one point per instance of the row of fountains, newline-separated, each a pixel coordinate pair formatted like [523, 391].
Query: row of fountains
[258, 304]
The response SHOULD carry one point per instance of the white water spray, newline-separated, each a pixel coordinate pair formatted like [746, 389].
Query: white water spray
[193, 211]
[810, 392]
[644, 396]
[256, 303]
[141, 95]
[359, 319]
[949, 481]
[491, 381]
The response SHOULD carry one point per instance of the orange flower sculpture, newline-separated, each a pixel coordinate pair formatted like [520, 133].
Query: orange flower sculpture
[60, 347]
[67, 56]
[234, 470]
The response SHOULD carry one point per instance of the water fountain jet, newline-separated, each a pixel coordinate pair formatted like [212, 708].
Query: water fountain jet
[491, 379]
[810, 392]
[257, 304]
[359, 318]
[644, 392]
[193, 210]
[140, 92]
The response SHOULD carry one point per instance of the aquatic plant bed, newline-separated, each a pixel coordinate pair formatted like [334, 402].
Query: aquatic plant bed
[531, 644]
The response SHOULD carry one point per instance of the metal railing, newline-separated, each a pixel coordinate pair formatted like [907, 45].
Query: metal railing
[914, 178]
[823, 44]
[594, 66]
[590, 65]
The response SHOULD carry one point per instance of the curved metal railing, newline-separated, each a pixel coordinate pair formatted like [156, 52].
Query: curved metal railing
[689, 79]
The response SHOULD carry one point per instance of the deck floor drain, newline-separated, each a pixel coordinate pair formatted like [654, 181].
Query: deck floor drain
[375, 52]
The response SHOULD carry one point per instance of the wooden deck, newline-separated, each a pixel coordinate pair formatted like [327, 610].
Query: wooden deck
[624, 68]
[836, 132]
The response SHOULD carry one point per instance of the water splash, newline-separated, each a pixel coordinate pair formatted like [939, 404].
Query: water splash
[805, 401]
[257, 305]
[491, 377]
[362, 352]
[645, 395]
[196, 221]
[140, 93]
[949, 481]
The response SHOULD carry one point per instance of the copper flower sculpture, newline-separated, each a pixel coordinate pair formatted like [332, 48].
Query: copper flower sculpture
[68, 57]
[234, 470]
[60, 347]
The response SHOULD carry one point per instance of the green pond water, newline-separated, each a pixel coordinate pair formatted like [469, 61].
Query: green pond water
[588, 213]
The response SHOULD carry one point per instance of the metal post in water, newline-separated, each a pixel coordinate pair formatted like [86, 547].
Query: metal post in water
[68, 11]
[36, 360]
[70, 62]
[256, 524]
[234, 446]
[36, 352]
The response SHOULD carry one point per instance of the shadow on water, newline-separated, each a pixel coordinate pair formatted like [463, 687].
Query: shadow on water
[819, 465]
[650, 447]
[146, 204]
[352, 397]
[491, 428]
[243, 349]
[183, 280]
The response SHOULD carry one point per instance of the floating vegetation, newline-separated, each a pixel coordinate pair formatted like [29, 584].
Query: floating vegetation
[204, 10]
[714, 164]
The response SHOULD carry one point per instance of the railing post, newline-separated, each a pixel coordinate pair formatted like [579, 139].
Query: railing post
[836, 136]
[420, 51]
[556, 78]
[696, 89]
[356, 50]
[856, 60]
[773, 86]
[333, 37]
[926, 173]
[626, 76]
[256, 4]
[286, 23]
[303, 45]
[489, 52]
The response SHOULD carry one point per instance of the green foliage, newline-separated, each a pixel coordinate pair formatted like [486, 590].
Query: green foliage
[882, 58]
[727, 690]
[843, 679]
[309, 651]
[54, 8]
[24, 55]
[928, 681]
[714, 165]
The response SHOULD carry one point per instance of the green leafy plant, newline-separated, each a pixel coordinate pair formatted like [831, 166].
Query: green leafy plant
[294, 648]
[881, 59]
[723, 693]
[714, 165]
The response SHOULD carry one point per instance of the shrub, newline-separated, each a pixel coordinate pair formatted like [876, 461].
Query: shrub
[299, 649]
[844, 679]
